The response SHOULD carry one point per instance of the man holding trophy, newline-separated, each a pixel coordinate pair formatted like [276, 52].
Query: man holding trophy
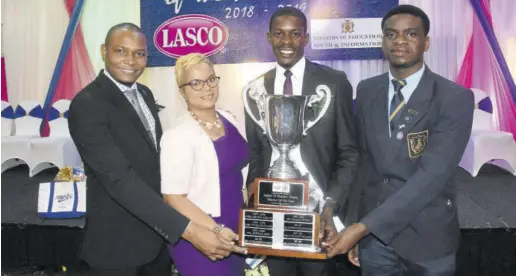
[300, 129]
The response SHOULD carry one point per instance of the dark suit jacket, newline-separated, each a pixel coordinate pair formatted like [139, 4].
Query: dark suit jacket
[126, 217]
[409, 197]
[329, 149]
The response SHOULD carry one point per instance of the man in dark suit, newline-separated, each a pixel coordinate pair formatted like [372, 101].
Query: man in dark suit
[115, 125]
[328, 153]
[413, 127]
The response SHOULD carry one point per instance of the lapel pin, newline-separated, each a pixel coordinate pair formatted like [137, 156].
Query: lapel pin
[401, 126]
[399, 135]
[412, 112]
[408, 119]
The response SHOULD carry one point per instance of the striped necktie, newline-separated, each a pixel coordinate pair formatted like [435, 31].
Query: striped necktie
[397, 102]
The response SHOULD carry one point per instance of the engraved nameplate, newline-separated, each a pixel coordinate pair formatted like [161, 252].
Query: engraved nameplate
[279, 230]
[282, 195]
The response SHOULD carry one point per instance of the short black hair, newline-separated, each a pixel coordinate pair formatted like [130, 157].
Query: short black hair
[412, 10]
[289, 11]
[122, 26]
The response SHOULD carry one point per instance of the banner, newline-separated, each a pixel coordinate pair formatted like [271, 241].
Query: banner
[234, 31]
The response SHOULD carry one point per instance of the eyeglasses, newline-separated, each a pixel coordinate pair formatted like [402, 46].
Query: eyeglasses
[197, 84]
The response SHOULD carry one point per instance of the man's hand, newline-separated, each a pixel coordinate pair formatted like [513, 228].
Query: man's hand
[353, 256]
[326, 225]
[345, 240]
[209, 243]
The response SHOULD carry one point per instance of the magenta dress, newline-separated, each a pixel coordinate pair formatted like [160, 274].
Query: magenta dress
[232, 155]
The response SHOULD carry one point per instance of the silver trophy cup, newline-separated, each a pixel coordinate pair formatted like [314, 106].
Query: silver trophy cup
[282, 118]
[284, 126]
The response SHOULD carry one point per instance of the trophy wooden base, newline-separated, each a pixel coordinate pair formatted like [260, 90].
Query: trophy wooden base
[286, 253]
[279, 223]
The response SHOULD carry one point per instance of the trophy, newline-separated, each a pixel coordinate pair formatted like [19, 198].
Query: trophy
[279, 224]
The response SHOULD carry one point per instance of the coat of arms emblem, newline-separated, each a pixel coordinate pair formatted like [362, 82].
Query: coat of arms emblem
[348, 26]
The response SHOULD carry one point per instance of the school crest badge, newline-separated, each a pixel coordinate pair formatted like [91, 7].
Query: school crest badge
[416, 143]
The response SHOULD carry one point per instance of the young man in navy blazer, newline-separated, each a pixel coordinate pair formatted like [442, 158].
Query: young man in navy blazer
[413, 127]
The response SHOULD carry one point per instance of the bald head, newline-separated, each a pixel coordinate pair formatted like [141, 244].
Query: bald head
[122, 27]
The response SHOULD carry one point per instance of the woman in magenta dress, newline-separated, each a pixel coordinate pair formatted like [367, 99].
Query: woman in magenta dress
[202, 158]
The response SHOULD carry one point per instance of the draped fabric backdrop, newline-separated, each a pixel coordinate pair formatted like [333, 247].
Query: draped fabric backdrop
[76, 71]
[484, 68]
[33, 32]
[4, 82]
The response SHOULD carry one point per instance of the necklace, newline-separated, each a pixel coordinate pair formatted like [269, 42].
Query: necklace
[217, 124]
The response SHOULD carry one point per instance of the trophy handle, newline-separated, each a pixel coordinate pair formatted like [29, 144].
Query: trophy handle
[252, 86]
[323, 93]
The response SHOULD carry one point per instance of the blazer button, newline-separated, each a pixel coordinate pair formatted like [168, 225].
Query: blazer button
[385, 180]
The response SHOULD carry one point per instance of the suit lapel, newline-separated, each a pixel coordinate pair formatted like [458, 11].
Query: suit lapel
[380, 121]
[268, 81]
[118, 100]
[154, 111]
[309, 79]
[419, 102]
[309, 82]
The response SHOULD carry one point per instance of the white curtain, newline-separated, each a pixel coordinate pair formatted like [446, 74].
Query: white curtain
[33, 31]
[98, 16]
[32, 34]
[504, 24]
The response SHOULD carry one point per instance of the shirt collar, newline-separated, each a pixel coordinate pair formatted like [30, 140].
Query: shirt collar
[122, 87]
[297, 70]
[412, 79]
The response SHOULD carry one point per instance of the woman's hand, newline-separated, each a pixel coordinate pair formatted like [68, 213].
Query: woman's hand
[209, 243]
[227, 235]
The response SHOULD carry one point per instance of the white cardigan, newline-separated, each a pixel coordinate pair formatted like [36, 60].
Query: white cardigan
[189, 163]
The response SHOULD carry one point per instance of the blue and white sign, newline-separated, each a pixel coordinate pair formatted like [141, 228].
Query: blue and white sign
[234, 31]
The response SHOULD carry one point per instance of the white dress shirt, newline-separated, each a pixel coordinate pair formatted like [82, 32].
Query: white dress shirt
[298, 72]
